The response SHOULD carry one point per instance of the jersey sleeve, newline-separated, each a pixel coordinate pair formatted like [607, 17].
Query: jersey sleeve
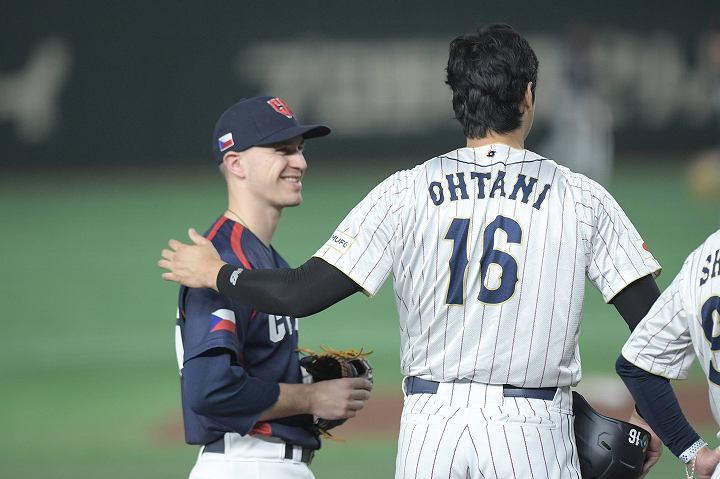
[362, 246]
[661, 344]
[617, 254]
[211, 321]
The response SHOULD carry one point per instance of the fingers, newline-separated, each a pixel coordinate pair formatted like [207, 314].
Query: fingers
[170, 277]
[360, 394]
[196, 237]
[165, 264]
[340, 398]
[360, 383]
[167, 254]
[174, 244]
[356, 405]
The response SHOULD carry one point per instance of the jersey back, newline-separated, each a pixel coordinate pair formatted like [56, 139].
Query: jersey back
[265, 345]
[489, 248]
[684, 324]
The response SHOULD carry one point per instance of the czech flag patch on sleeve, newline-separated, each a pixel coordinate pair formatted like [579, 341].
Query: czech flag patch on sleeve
[222, 320]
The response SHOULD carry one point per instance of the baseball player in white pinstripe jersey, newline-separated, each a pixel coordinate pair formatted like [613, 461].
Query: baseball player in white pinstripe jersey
[684, 324]
[489, 246]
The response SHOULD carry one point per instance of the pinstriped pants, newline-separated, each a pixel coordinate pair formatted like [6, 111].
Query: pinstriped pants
[470, 430]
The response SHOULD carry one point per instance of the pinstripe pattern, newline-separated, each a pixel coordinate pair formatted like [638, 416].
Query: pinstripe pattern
[577, 230]
[456, 434]
[560, 228]
[671, 335]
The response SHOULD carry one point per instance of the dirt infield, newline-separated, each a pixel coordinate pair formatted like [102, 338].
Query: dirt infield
[381, 416]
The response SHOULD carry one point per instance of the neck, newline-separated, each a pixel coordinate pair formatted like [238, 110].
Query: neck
[514, 139]
[261, 219]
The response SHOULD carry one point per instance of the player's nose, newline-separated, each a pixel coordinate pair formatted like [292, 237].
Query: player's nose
[298, 162]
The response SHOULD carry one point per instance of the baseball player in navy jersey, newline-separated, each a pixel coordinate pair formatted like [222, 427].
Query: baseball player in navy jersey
[242, 394]
[489, 246]
[681, 326]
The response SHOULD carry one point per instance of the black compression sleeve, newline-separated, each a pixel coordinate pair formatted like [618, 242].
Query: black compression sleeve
[658, 405]
[635, 300]
[313, 287]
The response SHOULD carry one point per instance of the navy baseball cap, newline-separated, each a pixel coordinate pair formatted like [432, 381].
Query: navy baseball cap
[258, 121]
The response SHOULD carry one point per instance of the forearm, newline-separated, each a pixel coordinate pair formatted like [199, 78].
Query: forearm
[216, 388]
[659, 406]
[294, 399]
[299, 292]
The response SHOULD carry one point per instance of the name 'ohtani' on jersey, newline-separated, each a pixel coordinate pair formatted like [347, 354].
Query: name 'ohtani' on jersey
[455, 188]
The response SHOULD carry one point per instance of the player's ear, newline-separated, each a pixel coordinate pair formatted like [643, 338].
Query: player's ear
[233, 164]
[528, 98]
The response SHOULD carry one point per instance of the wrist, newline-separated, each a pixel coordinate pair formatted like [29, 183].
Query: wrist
[310, 397]
[211, 277]
[691, 452]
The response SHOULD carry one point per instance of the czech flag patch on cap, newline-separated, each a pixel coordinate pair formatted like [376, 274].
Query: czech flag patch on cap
[222, 320]
[225, 142]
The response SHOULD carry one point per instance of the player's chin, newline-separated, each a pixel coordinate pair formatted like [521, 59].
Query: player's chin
[292, 200]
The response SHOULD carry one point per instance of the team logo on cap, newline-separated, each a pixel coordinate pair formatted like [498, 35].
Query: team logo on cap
[279, 105]
[225, 142]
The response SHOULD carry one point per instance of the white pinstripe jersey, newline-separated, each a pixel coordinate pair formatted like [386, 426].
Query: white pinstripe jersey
[489, 248]
[684, 323]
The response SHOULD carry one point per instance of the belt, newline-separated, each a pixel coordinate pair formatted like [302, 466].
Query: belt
[416, 385]
[218, 447]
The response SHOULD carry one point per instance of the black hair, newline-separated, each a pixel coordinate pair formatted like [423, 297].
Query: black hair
[488, 73]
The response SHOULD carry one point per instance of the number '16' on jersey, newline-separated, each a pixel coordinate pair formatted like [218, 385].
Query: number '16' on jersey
[489, 248]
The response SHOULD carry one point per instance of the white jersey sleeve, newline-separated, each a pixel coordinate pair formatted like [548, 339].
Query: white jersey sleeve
[617, 254]
[662, 344]
[362, 246]
[489, 248]
[684, 324]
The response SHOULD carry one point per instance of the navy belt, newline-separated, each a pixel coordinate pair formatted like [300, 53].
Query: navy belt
[416, 385]
[218, 447]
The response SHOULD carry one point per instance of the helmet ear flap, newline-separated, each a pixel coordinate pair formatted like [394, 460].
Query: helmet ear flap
[607, 447]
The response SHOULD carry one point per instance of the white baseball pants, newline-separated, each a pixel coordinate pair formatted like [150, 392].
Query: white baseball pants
[249, 457]
[470, 430]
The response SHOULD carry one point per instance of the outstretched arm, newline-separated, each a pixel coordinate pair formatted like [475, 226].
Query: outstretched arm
[298, 292]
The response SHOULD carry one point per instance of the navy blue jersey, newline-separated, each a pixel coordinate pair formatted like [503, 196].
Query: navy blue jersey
[263, 345]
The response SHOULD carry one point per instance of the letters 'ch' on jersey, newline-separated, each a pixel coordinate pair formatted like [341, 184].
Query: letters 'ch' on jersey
[684, 323]
[265, 345]
[489, 248]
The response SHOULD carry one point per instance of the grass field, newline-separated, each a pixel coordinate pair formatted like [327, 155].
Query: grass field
[87, 363]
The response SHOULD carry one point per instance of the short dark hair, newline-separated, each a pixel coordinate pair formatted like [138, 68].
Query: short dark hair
[488, 73]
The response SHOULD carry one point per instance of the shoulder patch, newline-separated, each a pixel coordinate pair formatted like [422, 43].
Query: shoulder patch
[222, 320]
[340, 241]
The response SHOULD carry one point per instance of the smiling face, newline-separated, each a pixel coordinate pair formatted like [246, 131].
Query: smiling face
[273, 173]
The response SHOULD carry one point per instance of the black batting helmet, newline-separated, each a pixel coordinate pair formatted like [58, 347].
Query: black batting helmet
[608, 448]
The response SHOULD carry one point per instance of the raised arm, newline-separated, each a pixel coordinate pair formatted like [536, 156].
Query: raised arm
[298, 292]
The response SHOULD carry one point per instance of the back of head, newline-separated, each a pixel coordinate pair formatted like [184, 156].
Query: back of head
[488, 73]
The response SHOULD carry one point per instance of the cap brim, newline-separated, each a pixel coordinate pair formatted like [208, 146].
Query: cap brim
[306, 131]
